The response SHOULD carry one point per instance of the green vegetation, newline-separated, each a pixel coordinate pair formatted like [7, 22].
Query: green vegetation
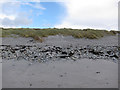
[38, 34]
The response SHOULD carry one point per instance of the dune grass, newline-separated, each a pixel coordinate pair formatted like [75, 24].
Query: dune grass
[38, 34]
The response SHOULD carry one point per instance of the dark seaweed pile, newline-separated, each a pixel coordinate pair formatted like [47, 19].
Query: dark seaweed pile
[47, 53]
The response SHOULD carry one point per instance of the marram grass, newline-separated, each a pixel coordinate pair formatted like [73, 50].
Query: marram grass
[38, 34]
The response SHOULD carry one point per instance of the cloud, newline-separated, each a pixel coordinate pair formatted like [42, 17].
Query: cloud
[101, 14]
[11, 16]
[18, 21]
[35, 5]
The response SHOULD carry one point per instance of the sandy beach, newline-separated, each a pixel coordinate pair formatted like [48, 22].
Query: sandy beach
[59, 44]
[81, 73]
[60, 40]
[60, 74]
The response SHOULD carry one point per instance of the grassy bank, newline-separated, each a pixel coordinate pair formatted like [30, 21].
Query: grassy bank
[37, 34]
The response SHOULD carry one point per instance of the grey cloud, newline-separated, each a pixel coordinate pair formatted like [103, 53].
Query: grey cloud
[18, 21]
[12, 9]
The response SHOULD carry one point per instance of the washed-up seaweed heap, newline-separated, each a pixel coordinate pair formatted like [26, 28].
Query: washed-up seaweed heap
[47, 53]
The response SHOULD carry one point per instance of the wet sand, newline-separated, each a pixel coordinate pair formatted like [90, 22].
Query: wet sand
[82, 73]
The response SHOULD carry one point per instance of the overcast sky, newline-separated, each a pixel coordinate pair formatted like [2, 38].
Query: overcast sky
[98, 14]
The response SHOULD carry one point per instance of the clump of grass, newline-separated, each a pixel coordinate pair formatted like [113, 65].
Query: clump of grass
[113, 32]
[38, 38]
[38, 34]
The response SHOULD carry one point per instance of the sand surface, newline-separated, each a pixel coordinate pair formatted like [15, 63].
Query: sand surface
[83, 73]
[0, 73]
[60, 74]
[59, 40]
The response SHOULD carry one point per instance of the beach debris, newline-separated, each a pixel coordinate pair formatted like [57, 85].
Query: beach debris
[97, 72]
[30, 84]
[61, 75]
[48, 52]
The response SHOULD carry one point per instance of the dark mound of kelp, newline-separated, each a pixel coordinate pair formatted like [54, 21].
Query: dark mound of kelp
[47, 53]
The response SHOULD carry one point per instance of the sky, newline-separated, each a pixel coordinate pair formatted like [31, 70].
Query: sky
[76, 14]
